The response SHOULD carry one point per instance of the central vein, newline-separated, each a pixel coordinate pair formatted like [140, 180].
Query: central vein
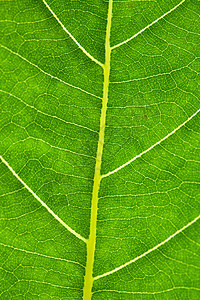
[88, 283]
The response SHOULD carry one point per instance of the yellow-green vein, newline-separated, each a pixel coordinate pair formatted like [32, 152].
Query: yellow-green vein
[88, 282]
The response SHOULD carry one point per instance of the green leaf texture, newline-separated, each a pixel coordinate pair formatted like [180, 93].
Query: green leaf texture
[99, 148]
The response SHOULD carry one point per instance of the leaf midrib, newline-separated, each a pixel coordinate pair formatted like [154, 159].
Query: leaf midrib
[88, 280]
[98, 178]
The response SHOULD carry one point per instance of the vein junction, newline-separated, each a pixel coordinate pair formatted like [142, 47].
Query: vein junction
[88, 282]
[89, 279]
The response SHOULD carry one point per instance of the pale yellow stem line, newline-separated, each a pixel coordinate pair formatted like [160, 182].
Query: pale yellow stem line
[88, 282]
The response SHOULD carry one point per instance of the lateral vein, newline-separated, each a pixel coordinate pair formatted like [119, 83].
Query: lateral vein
[48, 115]
[48, 74]
[43, 255]
[72, 37]
[149, 251]
[43, 204]
[142, 30]
[149, 293]
[150, 148]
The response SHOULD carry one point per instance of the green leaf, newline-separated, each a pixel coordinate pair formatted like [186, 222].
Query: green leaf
[99, 145]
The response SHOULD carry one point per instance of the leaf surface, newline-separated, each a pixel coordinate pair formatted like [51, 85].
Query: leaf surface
[99, 148]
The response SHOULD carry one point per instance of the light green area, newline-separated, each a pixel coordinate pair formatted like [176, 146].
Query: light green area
[67, 121]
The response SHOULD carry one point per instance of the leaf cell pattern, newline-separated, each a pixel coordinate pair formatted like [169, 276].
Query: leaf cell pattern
[99, 148]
